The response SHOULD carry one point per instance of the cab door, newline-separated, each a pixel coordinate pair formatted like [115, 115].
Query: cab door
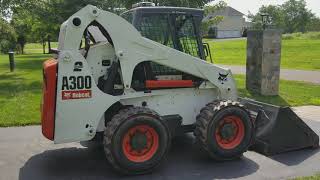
[186, 35]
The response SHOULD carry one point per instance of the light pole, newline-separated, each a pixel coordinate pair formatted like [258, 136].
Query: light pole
[11, 60]
[265, 20]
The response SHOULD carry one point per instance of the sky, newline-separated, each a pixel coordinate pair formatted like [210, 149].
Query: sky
[253, 5]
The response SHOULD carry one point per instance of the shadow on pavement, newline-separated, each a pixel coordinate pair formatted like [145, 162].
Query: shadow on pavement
[185, 161]
[295, 157]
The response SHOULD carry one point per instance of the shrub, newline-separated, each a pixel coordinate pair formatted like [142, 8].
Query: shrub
[287, 36]
[313, 35]
[308, 35]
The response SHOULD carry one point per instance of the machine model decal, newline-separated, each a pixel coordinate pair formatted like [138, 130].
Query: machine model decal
[76, 87]
[78, 66]
[76, 82]
[223, 77]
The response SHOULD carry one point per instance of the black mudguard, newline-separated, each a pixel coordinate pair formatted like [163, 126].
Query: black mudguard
[279, 129]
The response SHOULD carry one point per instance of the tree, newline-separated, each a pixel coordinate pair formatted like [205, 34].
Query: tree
[4, 7]
[7, 36]
[40, 20]
[296, 15]
[22, 24]
[208, 22]
[35, 21]
[314, 24]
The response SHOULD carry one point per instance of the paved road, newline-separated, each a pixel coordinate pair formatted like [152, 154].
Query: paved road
[287, 74]
[26, 155]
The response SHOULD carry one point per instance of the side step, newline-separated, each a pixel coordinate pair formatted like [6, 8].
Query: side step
[279, 129]
[174, 122]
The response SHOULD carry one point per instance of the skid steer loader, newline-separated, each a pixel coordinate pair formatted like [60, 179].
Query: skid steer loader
[142, 79]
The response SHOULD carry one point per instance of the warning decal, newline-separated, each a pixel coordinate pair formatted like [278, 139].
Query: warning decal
[80, 94]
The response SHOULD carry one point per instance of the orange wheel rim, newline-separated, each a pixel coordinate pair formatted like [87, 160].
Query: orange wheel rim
[230, 132]
[140, 143]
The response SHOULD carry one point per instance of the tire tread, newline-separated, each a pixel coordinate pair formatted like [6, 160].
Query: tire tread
[112, 127]
[207, 113]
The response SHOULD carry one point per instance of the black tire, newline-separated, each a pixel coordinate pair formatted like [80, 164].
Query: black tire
[117, 133]
[209, 126]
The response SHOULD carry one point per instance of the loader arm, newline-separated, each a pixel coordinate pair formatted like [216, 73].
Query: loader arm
[131, 49]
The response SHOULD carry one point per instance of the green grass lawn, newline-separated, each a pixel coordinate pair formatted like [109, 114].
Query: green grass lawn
[20, 91]
[292, 93]
[296, 53]
[315, 177]
[37, 47]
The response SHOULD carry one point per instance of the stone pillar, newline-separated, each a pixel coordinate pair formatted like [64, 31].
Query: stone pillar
[263, 61]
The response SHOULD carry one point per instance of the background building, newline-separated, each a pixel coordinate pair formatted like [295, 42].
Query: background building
[231, 26]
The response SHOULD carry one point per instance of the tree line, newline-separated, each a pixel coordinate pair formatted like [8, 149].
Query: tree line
[23, 21]
[291, 16]
[40, 20]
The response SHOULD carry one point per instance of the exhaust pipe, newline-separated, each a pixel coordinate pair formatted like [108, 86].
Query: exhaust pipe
[278, 129]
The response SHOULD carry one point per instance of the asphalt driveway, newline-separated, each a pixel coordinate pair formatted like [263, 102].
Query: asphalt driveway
[26, 155]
